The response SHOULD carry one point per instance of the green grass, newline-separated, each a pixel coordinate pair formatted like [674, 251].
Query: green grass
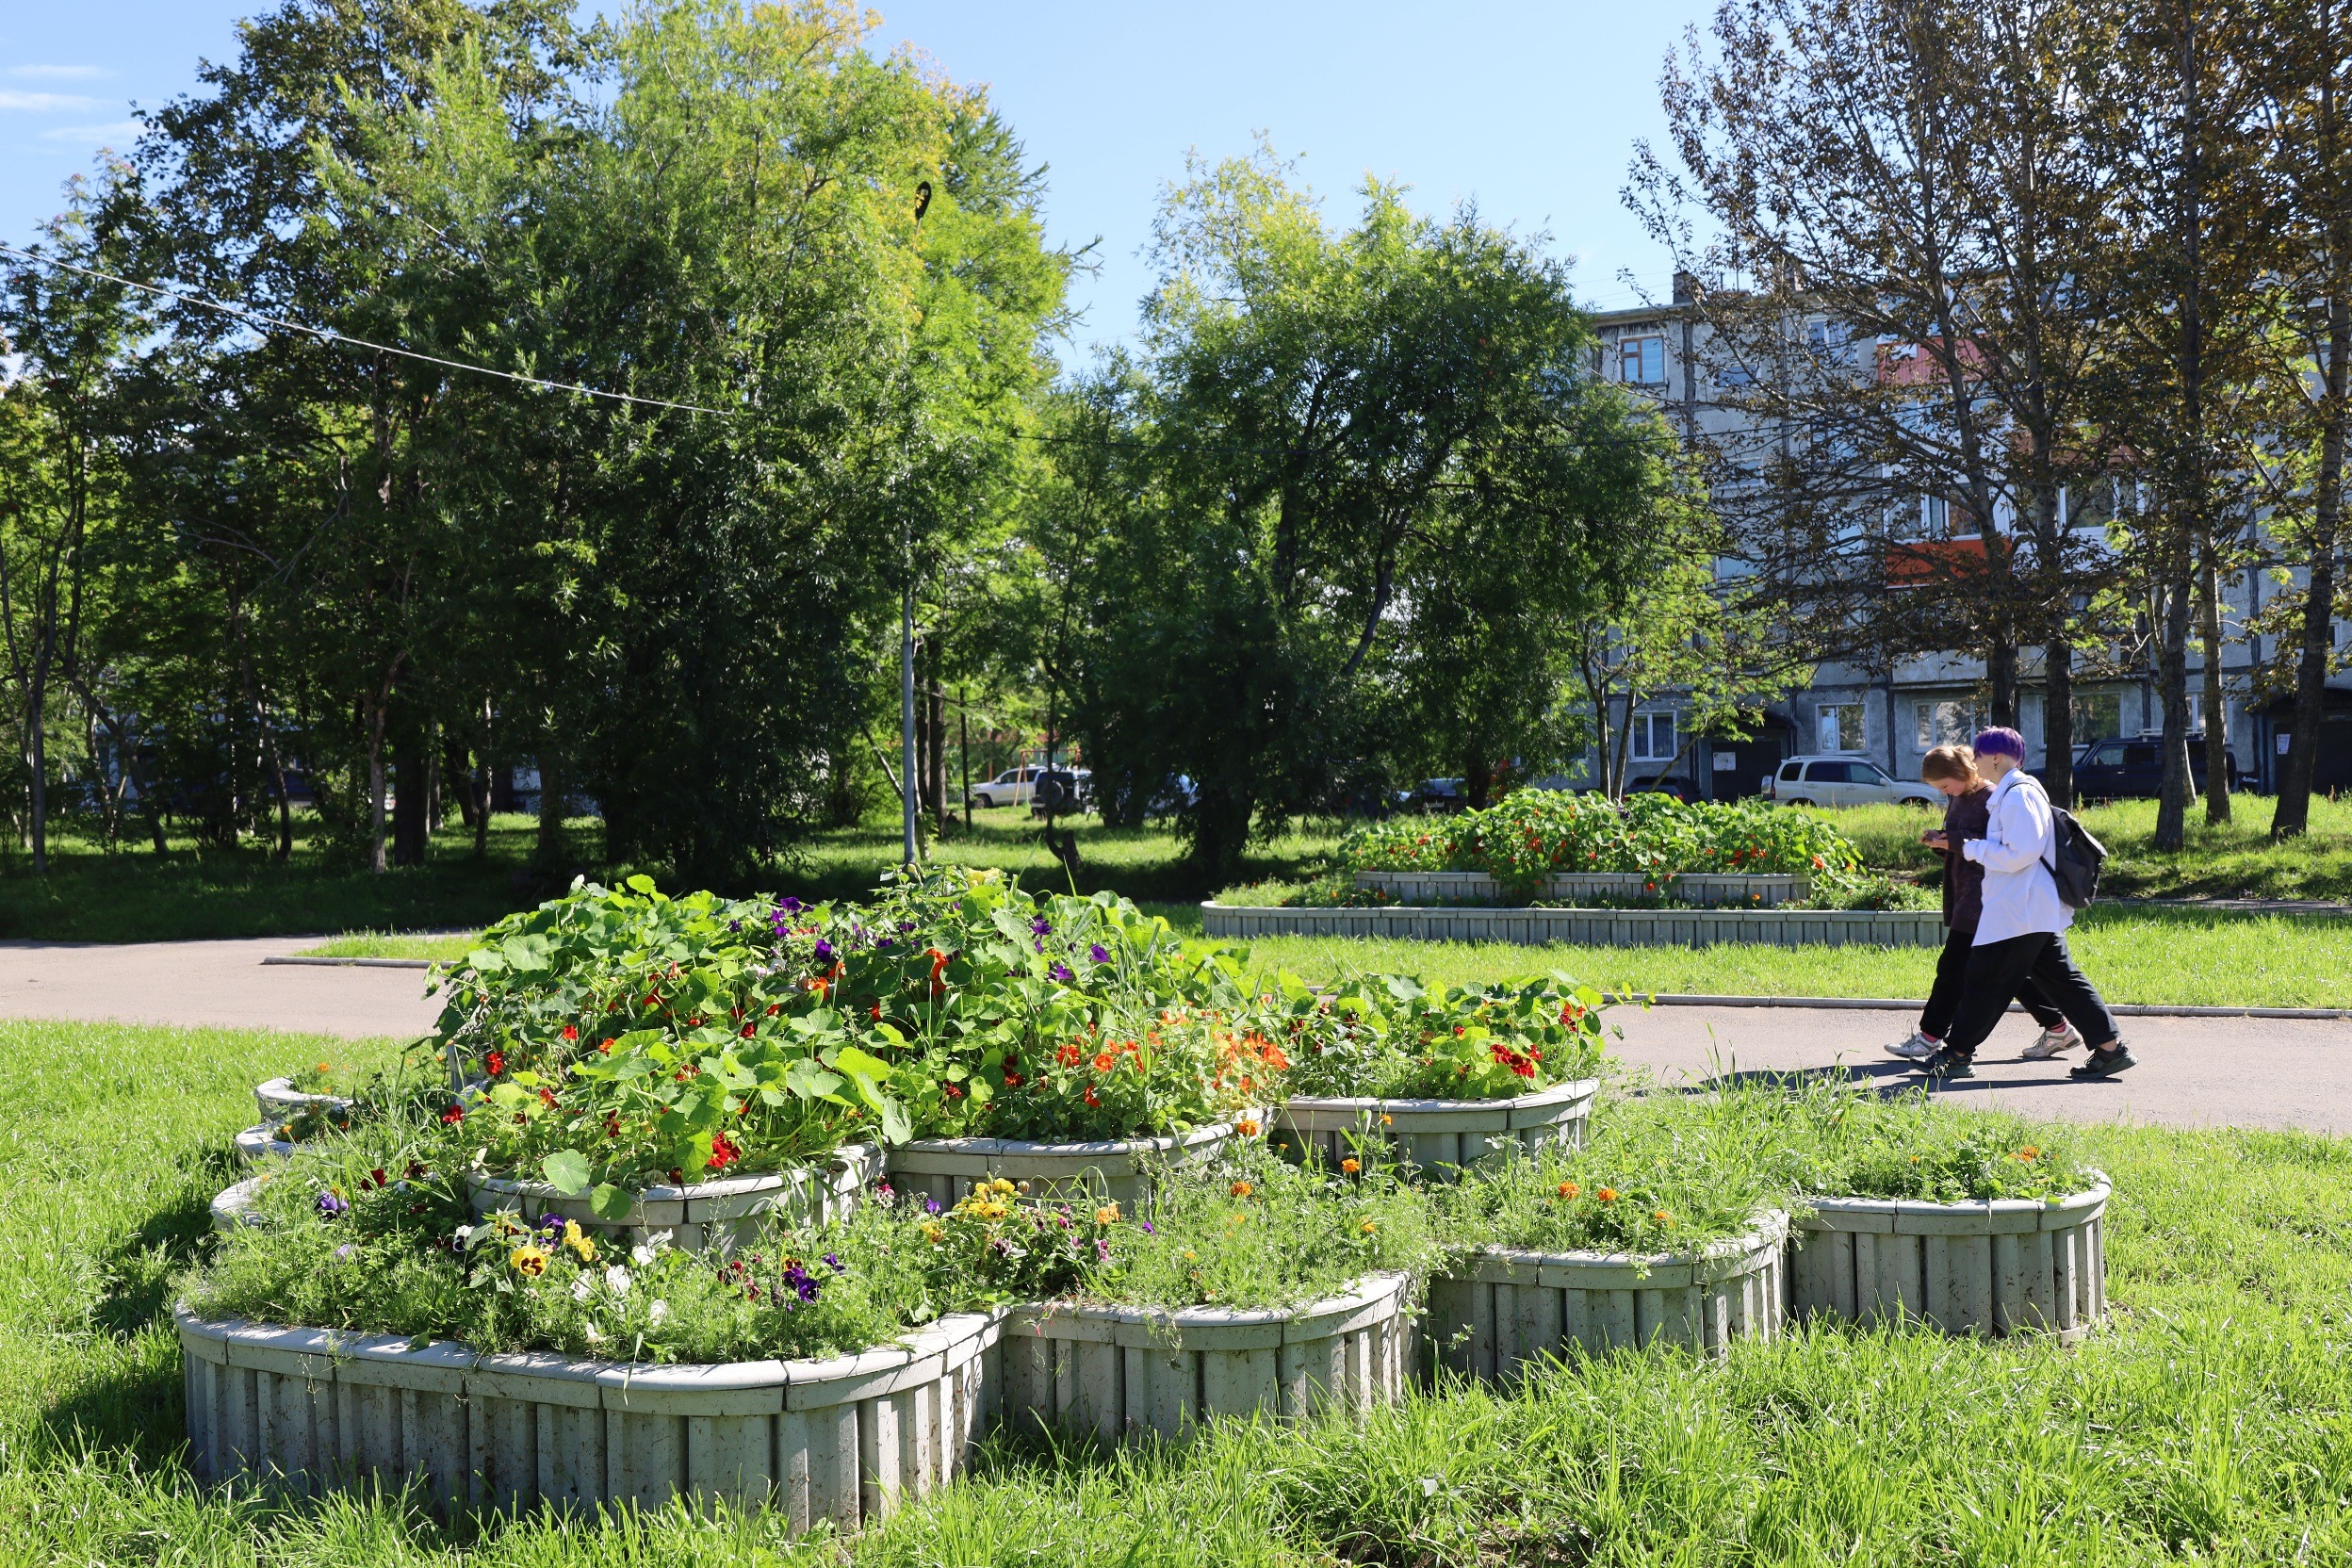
[2180, 957]
[2236, 860]
[437, 946]
[92, 893]
[2212, 1421]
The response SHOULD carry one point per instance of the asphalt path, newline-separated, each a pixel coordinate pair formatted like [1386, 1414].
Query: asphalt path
[2193, 1071]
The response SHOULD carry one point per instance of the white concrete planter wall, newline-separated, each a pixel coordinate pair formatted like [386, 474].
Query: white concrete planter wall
[1709, 888]
[313, 1411]
[1985, 1268]
[944, 1169]
[279, 1100]
[1121, 1373]
[1587, 927]
[256, 1144]
[1509, 1310]
[1435, 1135]
[719, 1212]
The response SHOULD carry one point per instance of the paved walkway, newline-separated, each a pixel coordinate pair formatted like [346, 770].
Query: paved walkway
[2193, 1071]
[222, 983]
[2258, 1072]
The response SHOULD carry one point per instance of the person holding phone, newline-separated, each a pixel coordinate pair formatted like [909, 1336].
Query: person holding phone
[1952, 770]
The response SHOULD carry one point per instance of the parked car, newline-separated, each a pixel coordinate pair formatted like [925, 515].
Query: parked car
[1063, 790]
[2119, 769]
[1018, 786]
[1681, 789]
[1434, 795]
[1842, 781]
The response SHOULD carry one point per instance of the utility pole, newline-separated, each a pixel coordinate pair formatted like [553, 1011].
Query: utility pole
[907, 642]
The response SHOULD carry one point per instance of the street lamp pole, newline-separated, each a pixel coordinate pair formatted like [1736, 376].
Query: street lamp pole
[906, 645]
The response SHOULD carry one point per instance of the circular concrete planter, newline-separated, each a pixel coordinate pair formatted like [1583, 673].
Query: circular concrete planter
[1506, 1309]
[719, 1212]
[1123, 1372]
[235, 1206]
[279, 1102]
[1585, 928]
[1983, 1268]
[256, 1144]
[1438, 1136]
[310, 1411]
[944, 1169]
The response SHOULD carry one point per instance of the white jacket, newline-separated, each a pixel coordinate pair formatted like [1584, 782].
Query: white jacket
[2020, 895]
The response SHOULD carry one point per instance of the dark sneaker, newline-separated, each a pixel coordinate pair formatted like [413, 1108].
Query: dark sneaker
[1948, 1063]
[2106, 1064]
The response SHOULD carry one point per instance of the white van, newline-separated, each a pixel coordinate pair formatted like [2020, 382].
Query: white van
[1843, 781]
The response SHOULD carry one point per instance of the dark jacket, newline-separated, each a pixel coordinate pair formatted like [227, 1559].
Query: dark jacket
[1967, 816]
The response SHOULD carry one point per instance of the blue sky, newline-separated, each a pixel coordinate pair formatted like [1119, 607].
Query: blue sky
[1530, 107]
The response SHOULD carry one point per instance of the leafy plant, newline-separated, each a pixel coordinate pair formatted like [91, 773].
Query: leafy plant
[1391, 1036]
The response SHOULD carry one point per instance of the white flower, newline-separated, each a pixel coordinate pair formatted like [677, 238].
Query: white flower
[661, 1311]
[640, 1254]
[616, 1280]
[594, 1337]
[463, 1231]
[581, 1289]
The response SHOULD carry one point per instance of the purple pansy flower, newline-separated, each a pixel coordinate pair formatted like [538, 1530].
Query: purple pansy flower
[824, 950]
[1061, 971]
[1040, 927]
[1099, 954]
[331, 1204]
[792, 906]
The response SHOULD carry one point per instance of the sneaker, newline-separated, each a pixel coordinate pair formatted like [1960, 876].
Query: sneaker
[1948, 1063]
[2052, 1042]
[1917, 1049]
[2106, 1064]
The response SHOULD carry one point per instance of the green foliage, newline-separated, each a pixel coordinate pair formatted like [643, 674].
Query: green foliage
[1533, 833]
[1392, 1037]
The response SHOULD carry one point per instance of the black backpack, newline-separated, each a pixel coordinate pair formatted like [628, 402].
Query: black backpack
[2074, 860]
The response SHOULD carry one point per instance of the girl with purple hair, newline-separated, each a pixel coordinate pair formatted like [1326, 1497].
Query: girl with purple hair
[2021, 934]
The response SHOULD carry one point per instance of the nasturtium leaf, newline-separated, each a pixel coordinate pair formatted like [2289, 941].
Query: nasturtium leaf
[567, 1171]
[607, 1201]
[640, 882]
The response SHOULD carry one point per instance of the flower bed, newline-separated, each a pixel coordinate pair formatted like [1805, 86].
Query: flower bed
[840, 1441]
[1585, 928]
[1697, 889]
[1122, 1373]
[1997, 1266]
[1121, 1172]
[1437, 1137]
[1534, 833]
[1503, 1309]
[718, 1212]
[279, 1102]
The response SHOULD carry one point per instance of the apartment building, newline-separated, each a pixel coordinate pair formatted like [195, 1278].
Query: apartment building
[1892, 715]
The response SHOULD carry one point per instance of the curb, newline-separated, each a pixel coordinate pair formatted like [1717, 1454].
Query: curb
[1896, 1004]
[355, 963]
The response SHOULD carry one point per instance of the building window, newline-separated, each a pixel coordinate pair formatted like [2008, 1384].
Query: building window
[2098, 717]
[1641, 360]
[1947, 724]
[1947, 518]
[1828, 338]
[1652, 737]
[1840, 726]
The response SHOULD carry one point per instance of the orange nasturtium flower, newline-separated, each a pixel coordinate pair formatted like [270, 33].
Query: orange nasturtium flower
[1351, 1165]
[1243, 1189]
[1567, 1189]
[1606, 1195]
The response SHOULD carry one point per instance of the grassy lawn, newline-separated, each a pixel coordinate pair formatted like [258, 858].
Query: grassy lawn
[2236, 860]
[2184, 958]
[437, 946]
[126, 894]
[2212, 1421]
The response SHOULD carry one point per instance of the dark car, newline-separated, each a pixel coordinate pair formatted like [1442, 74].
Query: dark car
[1435, 795]
[1682, 790]
[2121, 769]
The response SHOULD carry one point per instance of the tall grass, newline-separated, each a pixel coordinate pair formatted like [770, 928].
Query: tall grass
[2211, 1421]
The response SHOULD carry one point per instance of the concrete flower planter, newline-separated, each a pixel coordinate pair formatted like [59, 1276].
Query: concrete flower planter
[311, 1411]
[944, 1169]
[1433, 1134]
[1588, 928]
[279, 1102]
[1708, 888]
[1123, 1372]
[719, 1212]
[1983, 1268]
[1508, 1309]
[256, 1144]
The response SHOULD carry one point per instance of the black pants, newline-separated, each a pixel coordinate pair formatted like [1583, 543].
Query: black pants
[1943, 999]
[1996, 971]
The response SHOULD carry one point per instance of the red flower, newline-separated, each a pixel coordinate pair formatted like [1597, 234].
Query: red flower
[495, 1062]
[546, 1098]
[724, 1151]
[1013, 1080]
[604, 1048]
[571, 1031]
[749, 1030]
[454, 1115]
[1090, 1098]
[376, 1177]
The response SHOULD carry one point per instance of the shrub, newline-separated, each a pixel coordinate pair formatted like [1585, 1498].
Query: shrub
[1392, 1037]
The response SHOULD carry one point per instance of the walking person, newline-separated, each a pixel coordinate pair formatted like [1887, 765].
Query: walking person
[2021, 929]
[1967, 808]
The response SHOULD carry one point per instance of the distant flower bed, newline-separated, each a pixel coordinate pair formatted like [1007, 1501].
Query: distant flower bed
[1389, 1037]
[1533, 833]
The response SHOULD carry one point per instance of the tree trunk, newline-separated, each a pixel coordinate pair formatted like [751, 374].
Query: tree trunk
[1477, 779]
[2001, 674]
[2216, 705]
[409, 802]
[935, 733]
[2293, 814]
[2172, 673]
[375, 786]
[551, 853]
[2058, 718]
[36, 758]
